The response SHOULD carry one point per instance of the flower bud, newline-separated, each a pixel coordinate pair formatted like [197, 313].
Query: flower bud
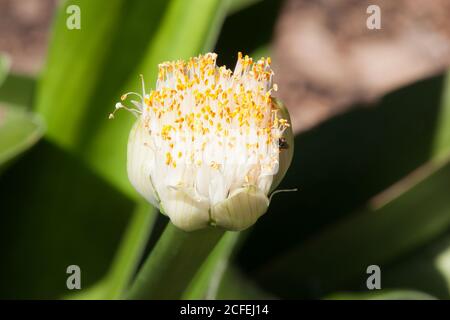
[210, 144]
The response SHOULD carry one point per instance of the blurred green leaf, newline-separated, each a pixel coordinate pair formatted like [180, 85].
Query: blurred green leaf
[262, 51]
[211, 276]
[184, 31]
[249, 29]
[127, 257]
[18, 91]
[75, 64]
[4, 68]
[383, 295]
[404, 217]
[341, 164]
[130, 251]
[55, 212]
[86, 69]
[442, 140]
[89, 69]
[237, 286]
[426, 269]
[237, 5]
[19, 130]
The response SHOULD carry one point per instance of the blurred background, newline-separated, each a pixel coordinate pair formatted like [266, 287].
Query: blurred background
[371, 112]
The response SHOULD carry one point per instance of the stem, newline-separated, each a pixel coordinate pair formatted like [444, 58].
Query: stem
[207, 280]
[174, 261]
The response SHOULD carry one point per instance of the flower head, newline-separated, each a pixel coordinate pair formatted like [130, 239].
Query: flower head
[207, 144]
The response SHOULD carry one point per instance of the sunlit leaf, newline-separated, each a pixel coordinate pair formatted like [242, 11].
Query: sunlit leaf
[4, 68]
[383, 295]
[19, 130]
[89, 69]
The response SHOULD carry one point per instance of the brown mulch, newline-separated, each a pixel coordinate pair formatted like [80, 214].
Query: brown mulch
[326, 59]
[24, 26]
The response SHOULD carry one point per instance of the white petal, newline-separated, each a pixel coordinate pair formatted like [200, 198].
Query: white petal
[206, 148]
[286, 155]
[184, 210]
[140, 163]
[241, 210]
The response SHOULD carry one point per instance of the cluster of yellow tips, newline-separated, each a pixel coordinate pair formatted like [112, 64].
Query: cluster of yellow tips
[205, 134]
[195, 98]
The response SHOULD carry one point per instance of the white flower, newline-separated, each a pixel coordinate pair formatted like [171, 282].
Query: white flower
[207, 145]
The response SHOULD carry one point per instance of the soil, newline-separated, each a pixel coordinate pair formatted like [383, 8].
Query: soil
[24, 26]
[327, 60]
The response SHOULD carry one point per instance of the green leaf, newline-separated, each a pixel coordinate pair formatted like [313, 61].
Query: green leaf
[248, 29]
[441, 147]
[237, 5]
[404, 217]
[184, 31]
[18, 91]
[75, 64]
[341, 164]
[86, 73]
[127, 257]
[210, 277]
[173, 263]
[383, 295]
[212, 274]
[19, 130]
[426, 269]
[56, 212]
[89, 69]
[130, 250]
[4, 67]
[262, 51]
[237, 286]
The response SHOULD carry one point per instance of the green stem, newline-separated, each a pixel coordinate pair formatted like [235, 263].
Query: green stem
[207, 280]
[174, 261]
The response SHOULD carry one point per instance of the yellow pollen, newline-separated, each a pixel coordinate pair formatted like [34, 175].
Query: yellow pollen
[195, 100]
[168, 158]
